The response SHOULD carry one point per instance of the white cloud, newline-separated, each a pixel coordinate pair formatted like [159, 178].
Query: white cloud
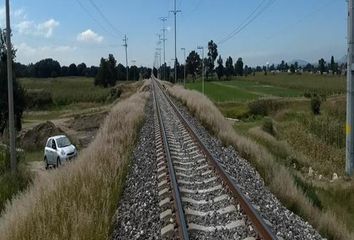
[25, 27]
[46, 28]
[42, 29]
[89, 36]
[29, 53]
[16, 15]
[20, 13]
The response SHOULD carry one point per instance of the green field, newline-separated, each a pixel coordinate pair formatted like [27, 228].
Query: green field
[243, 89]
[67, 90]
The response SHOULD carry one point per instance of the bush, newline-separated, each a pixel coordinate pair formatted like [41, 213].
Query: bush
[114, 93]
[316, 105]
[5, 159]
[268, 126]
[12, 184]
[38, 99]
[264, 107]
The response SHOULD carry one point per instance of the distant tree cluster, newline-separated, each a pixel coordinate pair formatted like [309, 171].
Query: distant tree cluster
[48, 67]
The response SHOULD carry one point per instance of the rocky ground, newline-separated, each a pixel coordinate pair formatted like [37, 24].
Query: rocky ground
[138, 211]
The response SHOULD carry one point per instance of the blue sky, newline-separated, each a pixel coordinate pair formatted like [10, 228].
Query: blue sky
[74, 31]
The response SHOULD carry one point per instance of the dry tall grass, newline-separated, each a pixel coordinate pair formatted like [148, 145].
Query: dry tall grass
[276, 176]
[78, 200]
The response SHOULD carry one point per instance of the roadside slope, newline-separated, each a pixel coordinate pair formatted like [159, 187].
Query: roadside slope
[78, 200]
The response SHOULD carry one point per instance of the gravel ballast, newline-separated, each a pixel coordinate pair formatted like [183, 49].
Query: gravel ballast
[137, 216]
[285, 224]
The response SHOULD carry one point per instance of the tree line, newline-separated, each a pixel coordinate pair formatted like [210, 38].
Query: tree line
[49, 67]
[228, 68]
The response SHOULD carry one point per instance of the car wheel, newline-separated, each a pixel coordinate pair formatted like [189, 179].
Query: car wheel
[46, 163]
[58, 162]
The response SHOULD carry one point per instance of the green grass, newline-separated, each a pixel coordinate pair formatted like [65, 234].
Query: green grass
[11, 184]
[222, 93]
[338, 198]
[262, 89]
[243, 89]
[67, 90]
[327, 84]
[32, 156]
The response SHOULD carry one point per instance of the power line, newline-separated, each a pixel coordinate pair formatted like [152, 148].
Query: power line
[125, 39]
[264, 5]
[301, 19]
[105, 18]
[93, 18]
[164, 19]
[175, 11]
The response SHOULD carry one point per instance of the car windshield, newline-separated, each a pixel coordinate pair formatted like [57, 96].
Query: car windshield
[63, 142]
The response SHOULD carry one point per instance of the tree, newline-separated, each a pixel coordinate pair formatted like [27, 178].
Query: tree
[134, 73]
[292, 68]
[103, 73]
[309, 67]
[333, 66]
[229, 67]
[247, 71]
[112, 76]
[212, 55]
[281, 66]
[239, 67]
[81, 69]
[19, 93]
[220, 68]
[72, 70]
[121, 72]
[47, 68]
[193, 63]
[64, 71]
[322, 65]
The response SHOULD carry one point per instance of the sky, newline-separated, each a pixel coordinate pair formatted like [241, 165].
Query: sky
[75, 31]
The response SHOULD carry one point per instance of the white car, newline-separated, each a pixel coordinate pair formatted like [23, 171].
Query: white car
[58, 150]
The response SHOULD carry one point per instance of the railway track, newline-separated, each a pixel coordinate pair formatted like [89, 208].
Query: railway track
[198, 199]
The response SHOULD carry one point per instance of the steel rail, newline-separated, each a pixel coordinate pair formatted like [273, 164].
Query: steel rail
[180, 216]
[261, 227]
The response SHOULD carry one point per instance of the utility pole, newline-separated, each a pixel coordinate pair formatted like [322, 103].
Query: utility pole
[133, 62]
[350, 95]
[164, 19]
[10, 90]
[125, 39]
[184, 69]
[202, 48]
[175, 11]
[159, 55]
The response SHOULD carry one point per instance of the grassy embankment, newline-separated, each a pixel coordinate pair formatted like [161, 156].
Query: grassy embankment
[78, 200]
[276, 117]
[54, 99]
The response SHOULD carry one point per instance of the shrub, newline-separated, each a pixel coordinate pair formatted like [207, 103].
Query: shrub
[268, 126]
[114, 94]
[264, 107]
[316, 105]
